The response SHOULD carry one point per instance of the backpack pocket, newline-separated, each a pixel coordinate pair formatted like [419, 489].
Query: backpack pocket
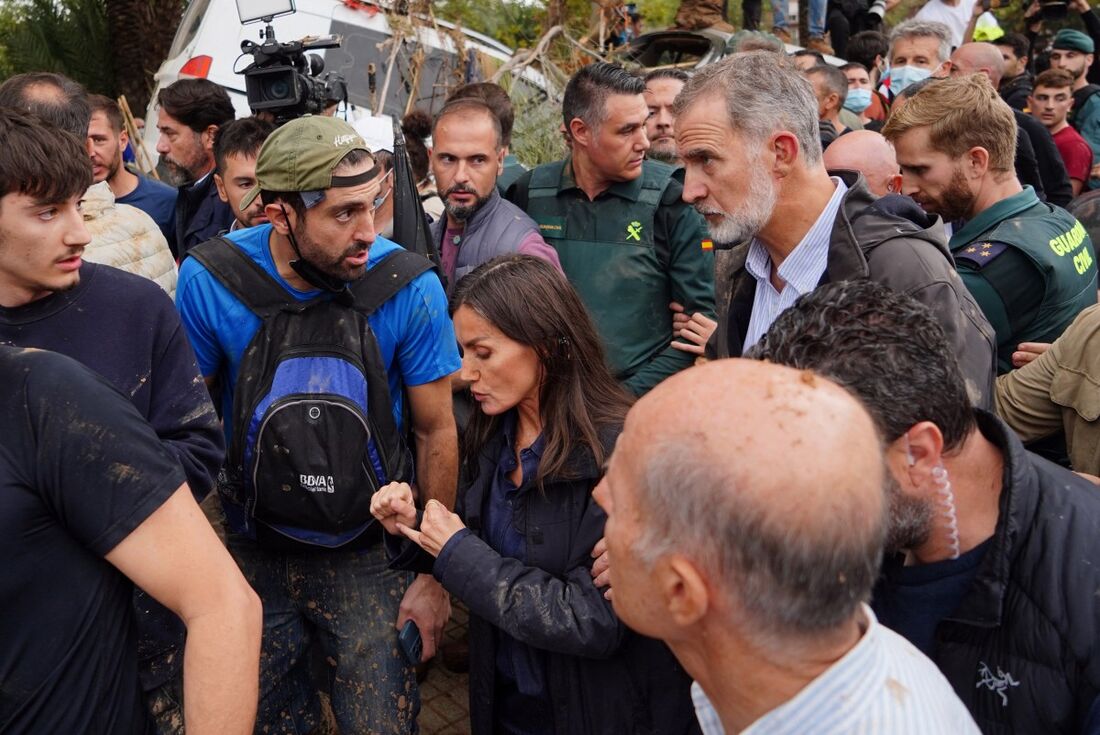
[311, 460]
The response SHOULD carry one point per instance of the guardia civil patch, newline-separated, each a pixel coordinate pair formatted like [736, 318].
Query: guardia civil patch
[634, 231]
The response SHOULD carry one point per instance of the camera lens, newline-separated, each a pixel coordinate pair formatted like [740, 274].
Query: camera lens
[277, 89]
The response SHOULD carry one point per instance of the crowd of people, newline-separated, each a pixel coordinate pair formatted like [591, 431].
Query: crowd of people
[772, 407]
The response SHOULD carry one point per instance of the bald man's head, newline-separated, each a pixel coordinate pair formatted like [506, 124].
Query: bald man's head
[978, 58]
[768, 479]
[869, 153]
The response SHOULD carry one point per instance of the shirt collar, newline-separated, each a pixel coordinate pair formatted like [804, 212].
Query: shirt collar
[802, 269]
[1002, 210]
[629, 190]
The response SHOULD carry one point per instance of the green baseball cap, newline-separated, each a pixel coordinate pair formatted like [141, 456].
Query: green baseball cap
[1072, 40]
[301, 155]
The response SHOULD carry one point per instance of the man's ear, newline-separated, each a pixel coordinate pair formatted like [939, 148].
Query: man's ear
[207, 137]
[123, 139]
[683, 590]
[221, 188]
[278, 213]
[580, 132]
[500, 159]
[977, 160]
[913, 455]
[785, 149]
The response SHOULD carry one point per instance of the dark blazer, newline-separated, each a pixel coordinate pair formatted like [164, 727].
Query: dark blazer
[200, 215]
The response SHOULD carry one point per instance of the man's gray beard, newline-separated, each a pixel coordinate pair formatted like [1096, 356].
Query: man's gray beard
[910, 519]
[175, 174]
[754, 213]
[664, 154]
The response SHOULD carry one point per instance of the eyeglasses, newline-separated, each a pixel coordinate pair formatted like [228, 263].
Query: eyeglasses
[381, 198]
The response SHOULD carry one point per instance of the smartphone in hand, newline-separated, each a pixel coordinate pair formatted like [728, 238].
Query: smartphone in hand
[410, 643]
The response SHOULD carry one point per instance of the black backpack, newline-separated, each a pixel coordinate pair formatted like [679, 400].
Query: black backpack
[314, 434]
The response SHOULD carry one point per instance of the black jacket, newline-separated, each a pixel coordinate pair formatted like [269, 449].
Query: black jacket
[1015, 91]
[1029, 627]
[602, 678]
[892, 241]
[200, 215]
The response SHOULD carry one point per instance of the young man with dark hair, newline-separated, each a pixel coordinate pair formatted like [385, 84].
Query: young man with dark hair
[1015, 85]
[1050, 103]
[991, 550]
[236, 146]
[626, 241]
[107, 138]
[326, 579]
[500, 103]
[661, 88]
[1073, 51]
[190, 112]
[123, 236]
[123, 327]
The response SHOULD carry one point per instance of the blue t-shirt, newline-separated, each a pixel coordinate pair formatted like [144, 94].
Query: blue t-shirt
[414, 332]
[156, 199]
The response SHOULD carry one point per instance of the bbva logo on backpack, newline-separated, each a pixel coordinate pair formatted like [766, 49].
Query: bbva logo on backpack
[317, 483]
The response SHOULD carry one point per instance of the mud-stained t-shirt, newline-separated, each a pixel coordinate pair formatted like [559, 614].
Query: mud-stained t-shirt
[79, 471]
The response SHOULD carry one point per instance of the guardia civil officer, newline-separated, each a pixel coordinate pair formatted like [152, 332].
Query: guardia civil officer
[626, 241]
[1030, 265]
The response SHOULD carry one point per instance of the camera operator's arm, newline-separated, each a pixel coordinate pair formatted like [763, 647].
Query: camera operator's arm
[1089, 18]
[975, 13]
[1033, 24]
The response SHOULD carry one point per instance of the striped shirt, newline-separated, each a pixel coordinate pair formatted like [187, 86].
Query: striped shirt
[801, 271]
[883, 686]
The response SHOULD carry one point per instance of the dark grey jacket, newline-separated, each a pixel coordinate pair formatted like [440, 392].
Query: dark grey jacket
[891, 241]
[497, 228]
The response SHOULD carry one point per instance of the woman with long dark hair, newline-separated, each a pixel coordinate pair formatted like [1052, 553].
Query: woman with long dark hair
[547, 653]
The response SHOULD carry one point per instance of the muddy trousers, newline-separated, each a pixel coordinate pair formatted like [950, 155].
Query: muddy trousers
[346, 603]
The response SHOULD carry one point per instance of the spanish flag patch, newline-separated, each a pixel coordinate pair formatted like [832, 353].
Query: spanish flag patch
[708, 245]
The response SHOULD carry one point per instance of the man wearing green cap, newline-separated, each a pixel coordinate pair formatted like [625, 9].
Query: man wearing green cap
[1073, 51]
[319, 183]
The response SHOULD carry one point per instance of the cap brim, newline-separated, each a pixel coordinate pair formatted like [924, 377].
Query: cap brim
[249, 197]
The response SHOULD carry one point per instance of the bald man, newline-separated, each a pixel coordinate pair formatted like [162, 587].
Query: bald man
[754, 568]
[993, 562]
[869, 153]
[985, 58]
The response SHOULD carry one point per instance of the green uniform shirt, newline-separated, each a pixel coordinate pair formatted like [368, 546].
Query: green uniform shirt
[629, 252]
[1030, 266]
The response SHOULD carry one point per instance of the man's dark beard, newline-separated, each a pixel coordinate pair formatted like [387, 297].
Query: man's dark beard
[909, 521]
[665, 155]
[333, 267]
[463, 212]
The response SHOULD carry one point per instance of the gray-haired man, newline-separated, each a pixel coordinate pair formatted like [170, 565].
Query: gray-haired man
[759, 180]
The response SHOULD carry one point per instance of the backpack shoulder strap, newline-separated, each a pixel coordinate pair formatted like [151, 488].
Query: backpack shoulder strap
[383, 281]
[241, 275]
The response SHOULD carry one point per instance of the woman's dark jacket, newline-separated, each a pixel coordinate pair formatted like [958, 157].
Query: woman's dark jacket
[603, 679]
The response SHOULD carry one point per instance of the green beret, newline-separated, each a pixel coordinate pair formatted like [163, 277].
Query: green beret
[1070, 40]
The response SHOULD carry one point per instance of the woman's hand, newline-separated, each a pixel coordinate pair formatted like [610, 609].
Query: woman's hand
[1028, 351]
[393, 504]
[695, 328]
[436, 528]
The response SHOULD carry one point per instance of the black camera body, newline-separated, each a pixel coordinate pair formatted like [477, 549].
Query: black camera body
[286, 82]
